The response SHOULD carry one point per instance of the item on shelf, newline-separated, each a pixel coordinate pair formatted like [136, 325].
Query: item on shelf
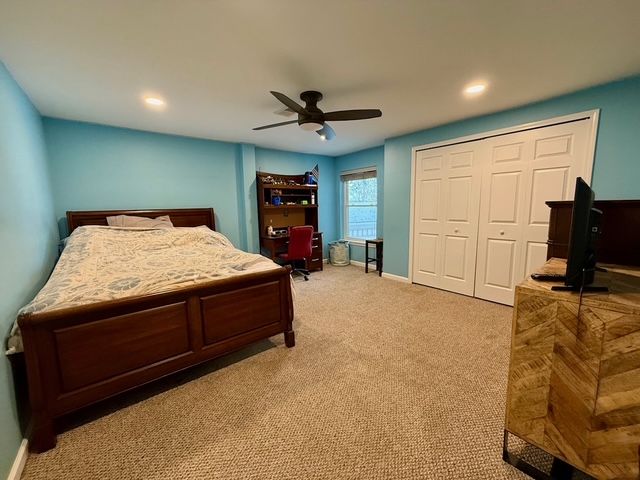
[268, 179]
[313, 198]
[304, 202]
[309, 179]
[276, 201]
[270, 228]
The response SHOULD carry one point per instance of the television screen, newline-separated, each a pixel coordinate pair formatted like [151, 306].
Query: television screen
[585, 221]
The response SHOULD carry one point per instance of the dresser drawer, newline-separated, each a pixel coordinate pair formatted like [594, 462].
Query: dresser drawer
[315, 262]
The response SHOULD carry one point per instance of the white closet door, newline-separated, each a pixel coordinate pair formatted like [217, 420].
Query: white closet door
[524, 170]
[447, 195]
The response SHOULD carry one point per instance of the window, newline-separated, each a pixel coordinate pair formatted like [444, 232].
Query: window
[360, 196]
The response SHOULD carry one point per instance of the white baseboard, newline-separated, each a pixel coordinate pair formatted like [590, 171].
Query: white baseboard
[397, 278]
[21, 458]
[372, 266]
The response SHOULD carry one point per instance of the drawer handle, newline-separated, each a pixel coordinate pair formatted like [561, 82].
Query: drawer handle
[315, 259]
[501, 232]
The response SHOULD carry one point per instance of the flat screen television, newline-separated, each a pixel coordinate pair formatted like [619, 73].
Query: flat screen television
[585, 228]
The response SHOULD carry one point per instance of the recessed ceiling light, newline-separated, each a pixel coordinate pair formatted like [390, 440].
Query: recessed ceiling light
[475, 89]
[154, 102]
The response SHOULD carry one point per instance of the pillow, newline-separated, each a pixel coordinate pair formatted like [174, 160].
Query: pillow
[131, 221]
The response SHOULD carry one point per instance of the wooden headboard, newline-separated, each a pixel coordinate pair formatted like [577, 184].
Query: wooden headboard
[180, 217]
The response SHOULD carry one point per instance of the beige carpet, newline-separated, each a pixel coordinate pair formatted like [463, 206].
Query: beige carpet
[387, 380]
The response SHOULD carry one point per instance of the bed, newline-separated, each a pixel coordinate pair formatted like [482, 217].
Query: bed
[81, 354]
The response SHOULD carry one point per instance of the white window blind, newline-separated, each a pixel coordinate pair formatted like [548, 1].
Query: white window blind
[360, 208]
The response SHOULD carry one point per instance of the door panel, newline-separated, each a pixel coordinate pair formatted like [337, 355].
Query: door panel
[545, 162]
[500, 263]
[547, 183]
[536, 255]
[447, 192]
[481, 222]
[430, 200]
[502, 207]
[504, 185]
[455, 249]
[428, 253]
[459, 199]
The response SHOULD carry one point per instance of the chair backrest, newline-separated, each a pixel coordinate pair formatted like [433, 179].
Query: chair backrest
[300, 239]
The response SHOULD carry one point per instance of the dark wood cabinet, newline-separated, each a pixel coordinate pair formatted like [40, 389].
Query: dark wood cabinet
[619, 242]
[286, 201]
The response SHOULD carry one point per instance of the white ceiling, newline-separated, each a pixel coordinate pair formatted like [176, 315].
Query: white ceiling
[215, 61]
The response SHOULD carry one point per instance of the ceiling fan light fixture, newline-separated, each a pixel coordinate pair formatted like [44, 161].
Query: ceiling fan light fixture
[323, 137]
[311, 126]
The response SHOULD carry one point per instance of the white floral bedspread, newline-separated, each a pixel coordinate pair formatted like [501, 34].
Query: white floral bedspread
[108, 263]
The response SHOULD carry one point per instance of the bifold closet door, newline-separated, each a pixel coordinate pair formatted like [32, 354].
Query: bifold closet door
[522, 172]
[446, 205]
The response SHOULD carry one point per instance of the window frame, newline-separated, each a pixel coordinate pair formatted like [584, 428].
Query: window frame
[345, 202]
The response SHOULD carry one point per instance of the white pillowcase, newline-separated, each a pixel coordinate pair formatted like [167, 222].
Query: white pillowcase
[132, 221]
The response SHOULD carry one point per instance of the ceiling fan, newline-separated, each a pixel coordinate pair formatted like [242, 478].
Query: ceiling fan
[311, 118]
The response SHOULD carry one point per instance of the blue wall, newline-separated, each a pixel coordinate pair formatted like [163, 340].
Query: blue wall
[371, 157]
[99, 167]
[28, 233]
[102, 167]
[290, 163]
[616, 170]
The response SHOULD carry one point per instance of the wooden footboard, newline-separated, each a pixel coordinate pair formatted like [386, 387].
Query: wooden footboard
[82, 355]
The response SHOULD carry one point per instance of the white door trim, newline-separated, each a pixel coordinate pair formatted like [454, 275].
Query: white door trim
[592, 115]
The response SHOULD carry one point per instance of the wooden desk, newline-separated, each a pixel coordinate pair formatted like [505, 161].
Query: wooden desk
[574, 373]
[271, 246]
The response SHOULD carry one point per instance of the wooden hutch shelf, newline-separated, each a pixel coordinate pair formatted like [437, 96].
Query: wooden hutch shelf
[299, 206]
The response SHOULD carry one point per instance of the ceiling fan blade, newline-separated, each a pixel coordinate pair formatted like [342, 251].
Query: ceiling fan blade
[284, 112]
[326, 132]
[352, 115]
[276, 125]
[289, 103]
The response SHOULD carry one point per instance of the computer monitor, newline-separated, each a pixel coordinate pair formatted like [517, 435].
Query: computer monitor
[585, 228]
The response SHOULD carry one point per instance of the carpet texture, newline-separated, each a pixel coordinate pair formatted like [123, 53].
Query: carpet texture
[387, 381]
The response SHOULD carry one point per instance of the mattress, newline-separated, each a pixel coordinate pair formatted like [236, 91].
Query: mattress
[101, 264]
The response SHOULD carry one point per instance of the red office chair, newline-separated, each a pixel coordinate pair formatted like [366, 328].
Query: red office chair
[299, 248]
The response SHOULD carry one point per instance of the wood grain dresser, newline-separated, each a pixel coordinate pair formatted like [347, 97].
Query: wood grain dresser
[574, 373]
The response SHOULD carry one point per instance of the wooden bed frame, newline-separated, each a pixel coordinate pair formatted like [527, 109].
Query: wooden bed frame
[81, 355]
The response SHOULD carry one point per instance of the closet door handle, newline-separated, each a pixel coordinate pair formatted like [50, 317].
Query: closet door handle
[455, 230]
[501, 232]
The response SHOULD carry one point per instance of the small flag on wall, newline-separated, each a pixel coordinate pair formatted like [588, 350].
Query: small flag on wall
[316, 172]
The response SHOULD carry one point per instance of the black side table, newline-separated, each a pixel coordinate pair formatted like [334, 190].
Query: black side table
[378, 258]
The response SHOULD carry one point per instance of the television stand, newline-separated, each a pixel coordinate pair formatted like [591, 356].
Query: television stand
[585, 289]
[572, 370]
